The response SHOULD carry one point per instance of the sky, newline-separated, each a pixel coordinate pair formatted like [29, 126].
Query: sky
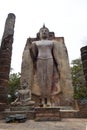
[67, 18]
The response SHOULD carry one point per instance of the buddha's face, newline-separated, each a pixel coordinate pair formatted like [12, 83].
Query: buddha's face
[24, 84]
[44, 33]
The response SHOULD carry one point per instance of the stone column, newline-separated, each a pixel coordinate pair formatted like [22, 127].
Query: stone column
[5, 56]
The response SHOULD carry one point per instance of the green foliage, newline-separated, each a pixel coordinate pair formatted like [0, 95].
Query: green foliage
[80, 90]
[14, 84]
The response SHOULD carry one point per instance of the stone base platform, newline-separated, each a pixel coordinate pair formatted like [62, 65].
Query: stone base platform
[29, 114]
[47, 114]
[26, 110]
[42, 113]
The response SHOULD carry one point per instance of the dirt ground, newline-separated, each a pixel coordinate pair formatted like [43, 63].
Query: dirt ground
[64, 124]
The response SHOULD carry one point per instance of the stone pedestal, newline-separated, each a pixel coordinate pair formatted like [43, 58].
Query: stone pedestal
[47, 114]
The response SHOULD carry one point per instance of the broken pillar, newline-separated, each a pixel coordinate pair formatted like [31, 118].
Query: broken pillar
[5, 57]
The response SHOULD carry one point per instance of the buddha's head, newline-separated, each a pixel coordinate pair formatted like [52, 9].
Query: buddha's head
[24, 84]
[44, 32]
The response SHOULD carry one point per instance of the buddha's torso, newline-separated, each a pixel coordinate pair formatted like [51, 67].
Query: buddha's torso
[44, 49]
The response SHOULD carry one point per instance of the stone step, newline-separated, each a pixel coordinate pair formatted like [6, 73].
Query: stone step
[48, 119]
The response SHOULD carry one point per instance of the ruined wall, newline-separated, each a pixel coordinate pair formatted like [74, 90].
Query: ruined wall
[65, 72]
[5, 56]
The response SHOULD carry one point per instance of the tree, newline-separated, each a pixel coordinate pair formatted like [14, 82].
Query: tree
[80, 90]
[14, 84]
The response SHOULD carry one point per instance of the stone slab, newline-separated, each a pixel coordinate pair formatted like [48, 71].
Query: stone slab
[16, 118]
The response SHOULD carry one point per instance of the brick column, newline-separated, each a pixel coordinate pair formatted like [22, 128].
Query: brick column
[5, 56]
[84, 61]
